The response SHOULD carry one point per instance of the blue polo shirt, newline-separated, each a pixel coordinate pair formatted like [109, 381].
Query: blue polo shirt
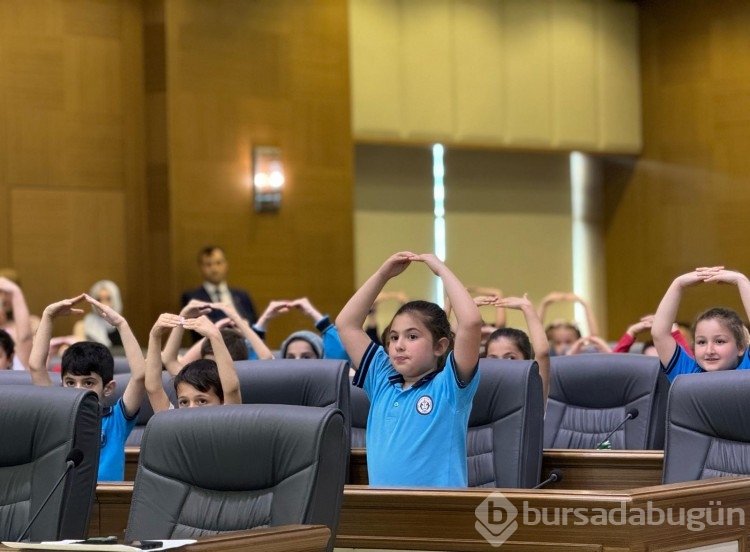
[116, 426]
[683, 363]
[416, 437]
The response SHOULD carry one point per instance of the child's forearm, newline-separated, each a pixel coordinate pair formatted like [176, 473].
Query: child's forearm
[536, 331]
[353, 315]
[132, 351]
[230, 382]
[154, 388]
[666, 313]
[464, 308]
[40, 352]
[257, 344]
[743, 285]
[169, 356]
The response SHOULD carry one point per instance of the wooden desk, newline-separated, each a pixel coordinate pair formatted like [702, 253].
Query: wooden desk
[582, 469]
[288, 538]
[446, 520]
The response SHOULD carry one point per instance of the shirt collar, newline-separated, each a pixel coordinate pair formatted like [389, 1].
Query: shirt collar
[427, 378]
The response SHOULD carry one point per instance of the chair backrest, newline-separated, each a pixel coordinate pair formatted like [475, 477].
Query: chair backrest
[313, 382]
[39, 427]
[210, 470]
[591, 393]
[145, 412]
[360, 410]
[708, 426]
[506, 425]
[23, 377]
[122, 366]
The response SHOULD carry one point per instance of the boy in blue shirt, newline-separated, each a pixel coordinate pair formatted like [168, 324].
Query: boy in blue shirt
[89, 365]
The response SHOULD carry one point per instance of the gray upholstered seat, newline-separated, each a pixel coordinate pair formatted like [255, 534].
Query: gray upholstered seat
[23, 377]
[708, 426]
[591, 393]
[504, 440]
[145, 412]
[215, 469]
[360, 410]
[39, 426]
[314, 382]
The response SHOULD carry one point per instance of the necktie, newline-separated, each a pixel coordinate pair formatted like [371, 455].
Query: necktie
[217, 295]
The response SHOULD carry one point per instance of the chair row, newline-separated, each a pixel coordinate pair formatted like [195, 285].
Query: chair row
[201, 472]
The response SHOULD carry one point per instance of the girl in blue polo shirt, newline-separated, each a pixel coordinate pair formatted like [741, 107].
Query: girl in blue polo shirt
[420, 382]
[719, 335]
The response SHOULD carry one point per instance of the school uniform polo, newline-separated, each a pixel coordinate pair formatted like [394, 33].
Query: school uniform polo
[416, 437]
[682, 363]
[116, 426]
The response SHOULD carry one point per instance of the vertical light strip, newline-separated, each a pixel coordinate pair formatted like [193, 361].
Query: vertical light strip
[581, 249]
[438, 194]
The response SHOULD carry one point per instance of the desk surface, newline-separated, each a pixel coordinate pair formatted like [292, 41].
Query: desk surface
[287, 538]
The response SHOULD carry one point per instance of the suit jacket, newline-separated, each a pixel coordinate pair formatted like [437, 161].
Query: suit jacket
[241, 299]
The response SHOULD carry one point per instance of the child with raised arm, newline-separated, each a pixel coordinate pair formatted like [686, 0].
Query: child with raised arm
[514, 344]
[719, 335]
[563, 334]
[202, 382]
[420, 382]
[89, 365]
[229, 326]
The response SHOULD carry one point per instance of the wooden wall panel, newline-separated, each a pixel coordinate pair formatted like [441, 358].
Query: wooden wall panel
[242, 74]
[72, 171]
[681, 204]
[530, 74]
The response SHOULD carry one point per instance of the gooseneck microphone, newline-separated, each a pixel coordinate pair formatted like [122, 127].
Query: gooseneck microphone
[74, 458]
[631, 414]
[554, 475]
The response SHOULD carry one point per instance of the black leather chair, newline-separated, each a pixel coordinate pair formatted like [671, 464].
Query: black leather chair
[210, 470]
[360, 410]
[145, 412]
[314, 382]
[23, 377]
[708, 426]
[591, 393]
[506, 425]
[39, 427]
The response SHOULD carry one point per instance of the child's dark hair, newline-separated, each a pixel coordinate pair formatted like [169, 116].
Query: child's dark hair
[234, 341]
[203, 375]
[518, 337]
[727, 318]
[433, 317]
[86, 358]
[7, 343]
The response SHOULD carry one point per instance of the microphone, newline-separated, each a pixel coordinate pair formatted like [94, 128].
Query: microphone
[632, 414]
[554, 476]
[74, 458]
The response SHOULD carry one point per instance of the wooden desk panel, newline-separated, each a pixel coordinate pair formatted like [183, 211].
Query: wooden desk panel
[604, 469]
[446, 519]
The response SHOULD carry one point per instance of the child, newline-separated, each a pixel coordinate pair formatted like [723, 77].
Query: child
[719, 335]
[628, 338]
[89, 365]
[420, 385]
[202, 382]
[514, 344]
[563, 334]
[16, 320]
[305, 342]
[233, 320]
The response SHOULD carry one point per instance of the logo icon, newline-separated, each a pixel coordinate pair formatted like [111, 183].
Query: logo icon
[424, 405]
[496, 519]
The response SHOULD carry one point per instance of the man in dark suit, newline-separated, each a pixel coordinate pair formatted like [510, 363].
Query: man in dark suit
[214, 267]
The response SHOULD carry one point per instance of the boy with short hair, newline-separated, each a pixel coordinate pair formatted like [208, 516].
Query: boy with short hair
[202, 382]
[89, 365]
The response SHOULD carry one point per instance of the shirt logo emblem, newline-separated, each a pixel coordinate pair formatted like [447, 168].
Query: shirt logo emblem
[424, 405]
